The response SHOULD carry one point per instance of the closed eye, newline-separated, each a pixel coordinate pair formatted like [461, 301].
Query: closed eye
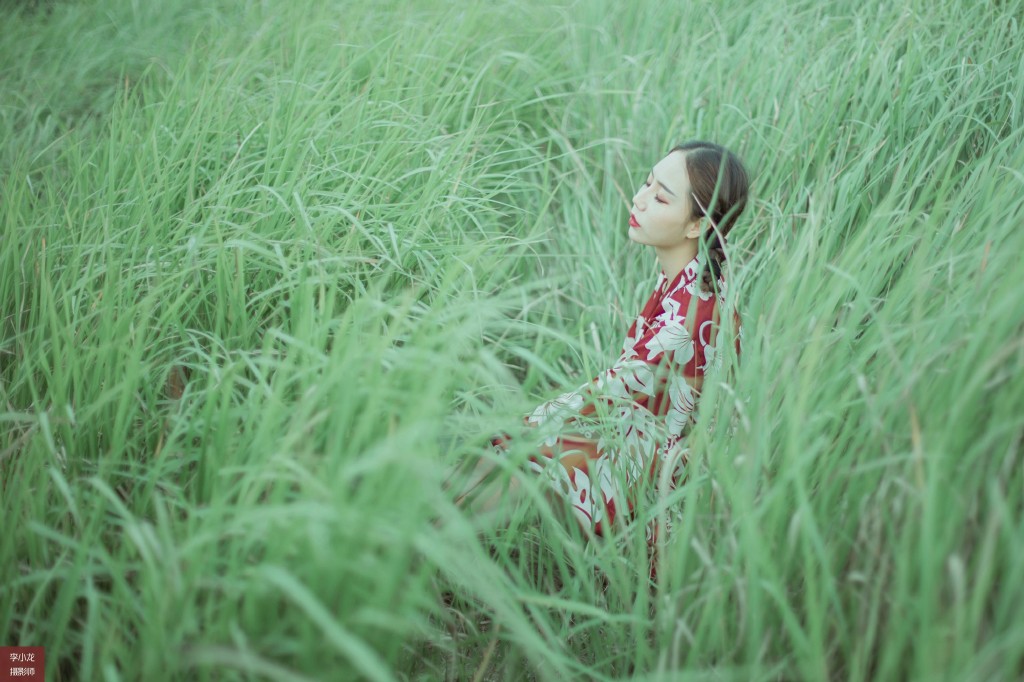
[650, 180]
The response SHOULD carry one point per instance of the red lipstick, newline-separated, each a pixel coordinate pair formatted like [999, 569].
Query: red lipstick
[632, 221]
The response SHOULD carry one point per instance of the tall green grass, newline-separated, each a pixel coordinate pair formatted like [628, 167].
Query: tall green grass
[268, 271]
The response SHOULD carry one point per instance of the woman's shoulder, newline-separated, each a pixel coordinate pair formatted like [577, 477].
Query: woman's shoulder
[694, 302]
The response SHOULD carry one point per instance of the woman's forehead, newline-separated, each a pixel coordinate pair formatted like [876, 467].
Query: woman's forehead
[671, 171]
[673, 162]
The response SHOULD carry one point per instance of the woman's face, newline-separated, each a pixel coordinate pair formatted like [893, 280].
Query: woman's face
[661, 214]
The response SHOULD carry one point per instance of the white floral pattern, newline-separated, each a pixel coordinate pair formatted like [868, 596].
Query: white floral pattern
[673, 338]
[625, 378]
[681, 400]
[562, 407]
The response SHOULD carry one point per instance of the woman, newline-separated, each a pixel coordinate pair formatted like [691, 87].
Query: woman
[599, 444]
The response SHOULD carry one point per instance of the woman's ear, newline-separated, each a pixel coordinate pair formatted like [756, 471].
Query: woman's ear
[693, 230]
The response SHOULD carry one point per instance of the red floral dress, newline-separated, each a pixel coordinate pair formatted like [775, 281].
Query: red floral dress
[599, 442]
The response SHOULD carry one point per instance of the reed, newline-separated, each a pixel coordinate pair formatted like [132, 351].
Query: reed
[270, 270]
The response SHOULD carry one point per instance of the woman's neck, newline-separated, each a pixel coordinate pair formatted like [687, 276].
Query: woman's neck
[674, 259]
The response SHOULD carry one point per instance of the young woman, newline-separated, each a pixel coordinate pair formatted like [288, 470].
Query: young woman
[601, 443]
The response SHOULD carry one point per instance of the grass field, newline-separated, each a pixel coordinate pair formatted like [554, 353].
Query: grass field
[268, 270]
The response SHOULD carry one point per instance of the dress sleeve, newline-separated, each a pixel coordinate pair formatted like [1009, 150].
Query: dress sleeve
[658, 370]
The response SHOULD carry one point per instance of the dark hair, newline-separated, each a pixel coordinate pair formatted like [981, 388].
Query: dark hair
[719, 184]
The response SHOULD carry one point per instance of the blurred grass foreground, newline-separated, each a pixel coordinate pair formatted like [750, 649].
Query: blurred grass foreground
[269, 270]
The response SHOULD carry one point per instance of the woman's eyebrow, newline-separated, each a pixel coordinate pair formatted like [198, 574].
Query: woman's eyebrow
[663, 185]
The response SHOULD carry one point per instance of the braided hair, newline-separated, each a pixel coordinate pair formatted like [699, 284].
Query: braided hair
[719, 184]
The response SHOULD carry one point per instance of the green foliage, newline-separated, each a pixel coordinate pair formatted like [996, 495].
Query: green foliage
[269, 270]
